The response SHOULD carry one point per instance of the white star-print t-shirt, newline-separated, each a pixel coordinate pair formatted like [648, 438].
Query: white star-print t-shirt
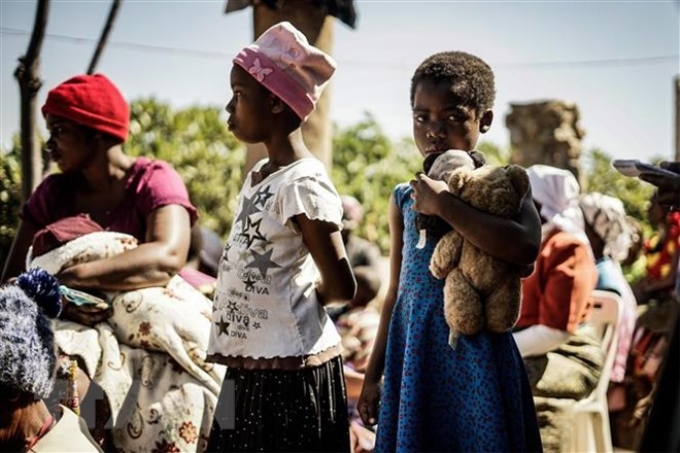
[265, 303]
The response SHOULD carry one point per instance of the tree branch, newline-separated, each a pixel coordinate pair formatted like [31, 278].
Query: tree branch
[104, 36]
[26, 74]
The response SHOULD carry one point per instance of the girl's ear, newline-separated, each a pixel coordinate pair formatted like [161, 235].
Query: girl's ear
[485, 121]
[91, 136]
[277, 104]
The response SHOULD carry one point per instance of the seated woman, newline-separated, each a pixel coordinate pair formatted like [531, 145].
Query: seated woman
[563, 359]
[101, 188]
[556, 296]
[654, 326]
[610, 236]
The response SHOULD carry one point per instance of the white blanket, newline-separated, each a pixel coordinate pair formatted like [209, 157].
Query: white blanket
[149, 357]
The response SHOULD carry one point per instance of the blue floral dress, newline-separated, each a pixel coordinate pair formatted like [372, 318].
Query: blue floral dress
[474, 398]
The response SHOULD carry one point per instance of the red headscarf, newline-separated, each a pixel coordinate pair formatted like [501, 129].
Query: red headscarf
[93, 101]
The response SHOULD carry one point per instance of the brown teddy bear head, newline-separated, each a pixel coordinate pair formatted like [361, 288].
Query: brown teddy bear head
[496, 190]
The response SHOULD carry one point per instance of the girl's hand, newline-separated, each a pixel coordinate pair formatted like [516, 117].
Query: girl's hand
[425, 191]
[368, 402]
[88, 315]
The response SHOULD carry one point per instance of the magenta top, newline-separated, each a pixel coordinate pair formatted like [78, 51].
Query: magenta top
[150, 185]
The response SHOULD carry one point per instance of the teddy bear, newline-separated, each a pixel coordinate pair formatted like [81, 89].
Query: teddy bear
[440, 166]
[480, 291]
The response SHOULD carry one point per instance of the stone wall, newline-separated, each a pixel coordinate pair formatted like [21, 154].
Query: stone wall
[546, 132]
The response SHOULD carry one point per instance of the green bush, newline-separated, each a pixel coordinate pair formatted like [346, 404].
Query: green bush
[10, 197]
[602, 177]
[199, 146]
[367, 165]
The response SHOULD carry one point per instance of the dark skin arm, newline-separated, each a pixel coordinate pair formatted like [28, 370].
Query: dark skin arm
[490, 233]
[152, 263]
[324, 242]
[370, 391]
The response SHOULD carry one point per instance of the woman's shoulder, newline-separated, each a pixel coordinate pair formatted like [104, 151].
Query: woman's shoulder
[564, 247]
[154, 183]
[154, 173]
[145, 165]
[52, 186]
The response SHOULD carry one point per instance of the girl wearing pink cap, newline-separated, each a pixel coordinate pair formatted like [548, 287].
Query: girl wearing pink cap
[284, 259]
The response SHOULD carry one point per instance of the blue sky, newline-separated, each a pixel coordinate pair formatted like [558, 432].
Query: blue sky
[616, 60]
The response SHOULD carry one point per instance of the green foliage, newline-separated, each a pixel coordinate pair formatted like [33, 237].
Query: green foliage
[634, 193]
[197, 143]
[367, 165]
[10, 196]
[494, 155]
[602, 177]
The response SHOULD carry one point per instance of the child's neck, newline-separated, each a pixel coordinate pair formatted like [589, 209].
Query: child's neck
[287, 149]
[282, 152]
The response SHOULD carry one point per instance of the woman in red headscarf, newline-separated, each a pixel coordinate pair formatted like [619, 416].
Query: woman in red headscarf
[88, 120]
[154, 322]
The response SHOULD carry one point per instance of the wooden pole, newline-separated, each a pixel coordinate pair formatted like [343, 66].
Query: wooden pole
[27, 75]
[104, 36]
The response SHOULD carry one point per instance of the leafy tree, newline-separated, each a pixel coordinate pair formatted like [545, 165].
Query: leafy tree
[198, 144]
[367, 165]
[10, 191]
[494, 154]
[602, 177]
[10, 196]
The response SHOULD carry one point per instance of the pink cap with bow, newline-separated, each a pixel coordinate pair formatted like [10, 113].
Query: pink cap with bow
[284, 62]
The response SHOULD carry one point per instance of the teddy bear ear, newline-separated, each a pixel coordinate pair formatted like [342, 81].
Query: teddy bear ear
[478, 158]
[519, 178]
[459, 177]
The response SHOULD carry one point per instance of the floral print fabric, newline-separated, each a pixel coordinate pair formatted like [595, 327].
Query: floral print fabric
[148, 357]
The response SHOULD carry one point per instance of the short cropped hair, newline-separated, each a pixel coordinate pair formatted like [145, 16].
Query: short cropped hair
[473, 78]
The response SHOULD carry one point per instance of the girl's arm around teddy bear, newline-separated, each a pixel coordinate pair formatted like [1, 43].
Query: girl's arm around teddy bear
[516, 240]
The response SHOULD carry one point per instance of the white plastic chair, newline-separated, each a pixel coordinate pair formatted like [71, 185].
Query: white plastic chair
[591, 414]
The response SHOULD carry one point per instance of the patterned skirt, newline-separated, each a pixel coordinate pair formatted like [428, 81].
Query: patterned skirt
[281, 410]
